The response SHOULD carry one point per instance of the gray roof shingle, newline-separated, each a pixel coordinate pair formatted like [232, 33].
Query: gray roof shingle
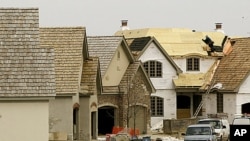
[104, 47]
[26, 69]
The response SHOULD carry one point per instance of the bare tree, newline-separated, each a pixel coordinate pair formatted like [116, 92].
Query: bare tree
[132, 104]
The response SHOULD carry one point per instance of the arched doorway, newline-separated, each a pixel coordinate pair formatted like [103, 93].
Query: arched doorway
[106, 120]
[245, 108]
[183, 106]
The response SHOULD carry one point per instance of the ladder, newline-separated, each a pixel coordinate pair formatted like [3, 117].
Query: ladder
[202, 101]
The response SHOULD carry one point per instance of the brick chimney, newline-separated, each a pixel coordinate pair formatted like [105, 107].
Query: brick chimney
[124, 25]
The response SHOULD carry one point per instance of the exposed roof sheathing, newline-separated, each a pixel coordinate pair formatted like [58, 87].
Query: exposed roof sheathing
[187, 80]
[27, 70]
[176, 41]
[68, 45]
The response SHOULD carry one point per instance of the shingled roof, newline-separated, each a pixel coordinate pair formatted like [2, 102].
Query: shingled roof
[138, 44]
[27, 70]
[68, 43]
[234, 68]
[90, 76]
[104, 47]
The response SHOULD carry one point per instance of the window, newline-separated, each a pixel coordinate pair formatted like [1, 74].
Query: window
[219, 102]
[153, 68]
[156, 106]
[193, 64]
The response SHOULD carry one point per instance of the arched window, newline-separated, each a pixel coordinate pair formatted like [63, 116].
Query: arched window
[193, 64]
[157, 105]
[153, 68]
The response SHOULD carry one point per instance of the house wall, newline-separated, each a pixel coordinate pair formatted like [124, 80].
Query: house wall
[205, 64]
[117, 68]
[169, 97]
[244, 88]
[61, 115]
[241, 98]
[24, 120]
[164, 86]
[87, 105]
[233, 102]
[210, 104]
[229, 105]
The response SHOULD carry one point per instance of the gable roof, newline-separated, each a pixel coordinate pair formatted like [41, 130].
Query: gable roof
[176, 41]
[129, 75]
[234, 68]
[68, 45]
[105, 47]
[140, 44]
[27, 70]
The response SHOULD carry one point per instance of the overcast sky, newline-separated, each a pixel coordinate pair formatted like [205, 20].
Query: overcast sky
[103, 17]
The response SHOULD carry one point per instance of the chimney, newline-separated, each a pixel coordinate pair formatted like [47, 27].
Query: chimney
[124, 25]
[218, 27]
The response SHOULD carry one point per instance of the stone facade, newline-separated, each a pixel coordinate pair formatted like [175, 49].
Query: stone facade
[136, 94]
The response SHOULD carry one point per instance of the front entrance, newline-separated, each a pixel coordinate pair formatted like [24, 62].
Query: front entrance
[183, 106]
[106, 120]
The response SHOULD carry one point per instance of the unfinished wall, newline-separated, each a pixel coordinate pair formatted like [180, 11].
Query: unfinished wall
[24, 121]
[61, 115]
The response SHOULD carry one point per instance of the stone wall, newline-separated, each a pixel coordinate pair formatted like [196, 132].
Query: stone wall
[136, 94]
